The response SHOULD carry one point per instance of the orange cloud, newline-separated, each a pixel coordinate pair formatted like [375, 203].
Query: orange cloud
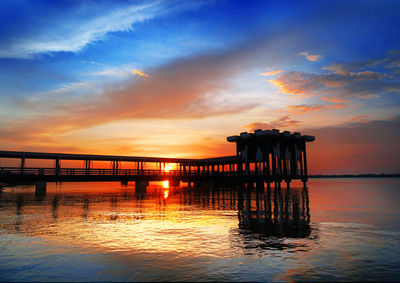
[294, 83]
[281, 85]
[301, 109]
[333, 99]
[360, 117]
[282, 122]
[139, 73]
[335, 106]
[304, 108]
[364, 119]
[271, 73]
[312, 58]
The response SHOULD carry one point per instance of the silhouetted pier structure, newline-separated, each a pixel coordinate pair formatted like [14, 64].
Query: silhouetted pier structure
[271, 156]
[261, 157]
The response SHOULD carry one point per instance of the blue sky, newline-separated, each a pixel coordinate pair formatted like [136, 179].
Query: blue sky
[90, 74]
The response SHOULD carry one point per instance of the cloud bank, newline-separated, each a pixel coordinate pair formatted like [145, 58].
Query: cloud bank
[181, 89]
[344, 82]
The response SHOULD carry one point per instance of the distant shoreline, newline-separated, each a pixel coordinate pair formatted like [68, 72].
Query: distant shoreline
[357, 176]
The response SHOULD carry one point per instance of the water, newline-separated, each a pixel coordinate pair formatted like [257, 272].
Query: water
[337, 230]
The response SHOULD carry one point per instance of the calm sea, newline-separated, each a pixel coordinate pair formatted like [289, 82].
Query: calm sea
[335, 230]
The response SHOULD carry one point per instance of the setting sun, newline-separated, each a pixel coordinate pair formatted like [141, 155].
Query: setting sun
[167, 167]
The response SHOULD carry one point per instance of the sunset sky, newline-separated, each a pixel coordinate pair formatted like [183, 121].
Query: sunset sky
[175, 78]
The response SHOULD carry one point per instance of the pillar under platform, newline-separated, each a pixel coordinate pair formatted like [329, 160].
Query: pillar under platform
[40, 189]
[141, 186]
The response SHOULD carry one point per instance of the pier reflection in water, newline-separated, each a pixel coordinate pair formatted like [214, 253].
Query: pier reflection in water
[277, 213]
[267, 216]
[108, 232]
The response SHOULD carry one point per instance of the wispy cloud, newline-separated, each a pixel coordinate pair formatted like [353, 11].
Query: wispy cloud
[125, 71]
[72, 32]
[271, 73]
[364, 119]
[390, 63]
[112, 72]
[310, 57]
[304, 108]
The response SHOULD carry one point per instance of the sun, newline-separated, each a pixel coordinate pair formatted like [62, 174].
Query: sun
[167, 167]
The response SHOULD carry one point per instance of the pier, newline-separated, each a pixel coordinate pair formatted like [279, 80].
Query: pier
[265, 156]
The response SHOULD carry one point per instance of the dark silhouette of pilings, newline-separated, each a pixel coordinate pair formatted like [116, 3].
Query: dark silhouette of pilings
[276, 212]
[271, 156]
[40, 190]
[141, 186]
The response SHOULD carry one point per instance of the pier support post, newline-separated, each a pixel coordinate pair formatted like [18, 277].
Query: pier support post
[57, 167]
[22, 165]
[305, 178]
[250, 185]
[210, 183]
[87, 166]
[260, 185]
[174, 183]
[40, 189]
[141, 186]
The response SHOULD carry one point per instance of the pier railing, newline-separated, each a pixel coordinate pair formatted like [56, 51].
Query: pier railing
[151, 173]
[109, 172]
